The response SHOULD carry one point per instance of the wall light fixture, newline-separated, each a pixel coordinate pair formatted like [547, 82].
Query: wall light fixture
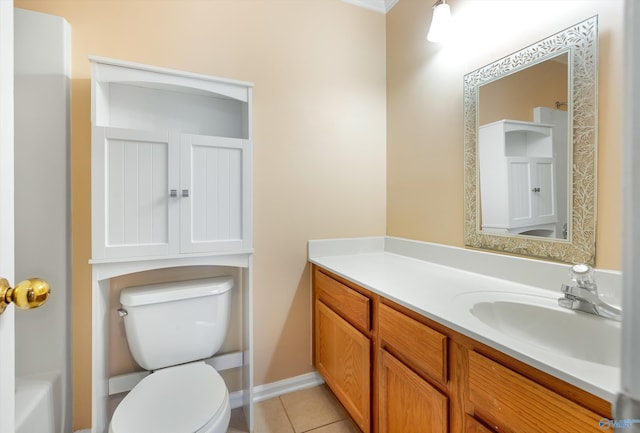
[440, 22]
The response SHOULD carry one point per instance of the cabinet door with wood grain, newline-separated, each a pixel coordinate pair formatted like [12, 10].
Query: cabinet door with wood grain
[343, 358]
[406, 402]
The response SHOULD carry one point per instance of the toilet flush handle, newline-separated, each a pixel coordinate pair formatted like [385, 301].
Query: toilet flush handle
[122, 312]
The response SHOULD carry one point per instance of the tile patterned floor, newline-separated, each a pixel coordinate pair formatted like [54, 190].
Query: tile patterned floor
[313, 410]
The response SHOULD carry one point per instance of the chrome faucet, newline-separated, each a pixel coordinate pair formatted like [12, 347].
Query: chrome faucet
[583, 296]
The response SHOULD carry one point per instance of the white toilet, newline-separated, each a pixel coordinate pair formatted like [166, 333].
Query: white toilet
[171, 328]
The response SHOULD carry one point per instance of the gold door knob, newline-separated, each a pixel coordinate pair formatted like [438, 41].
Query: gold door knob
[28, 294]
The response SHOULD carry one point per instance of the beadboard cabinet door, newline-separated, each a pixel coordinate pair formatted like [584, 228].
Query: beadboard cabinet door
[133, 203]
[214, 191]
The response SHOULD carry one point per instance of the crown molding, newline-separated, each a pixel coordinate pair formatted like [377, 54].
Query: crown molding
[382, 6]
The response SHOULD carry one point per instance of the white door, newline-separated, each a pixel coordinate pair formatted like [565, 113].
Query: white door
[7, 357]
[35, 294]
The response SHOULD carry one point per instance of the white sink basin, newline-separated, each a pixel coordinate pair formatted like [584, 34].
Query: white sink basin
[540, 322]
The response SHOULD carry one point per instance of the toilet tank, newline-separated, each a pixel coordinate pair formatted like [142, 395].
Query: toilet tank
[173, 323]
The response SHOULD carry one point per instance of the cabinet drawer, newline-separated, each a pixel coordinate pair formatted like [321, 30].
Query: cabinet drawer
[421, 346]
[512, 402]
[351, 305]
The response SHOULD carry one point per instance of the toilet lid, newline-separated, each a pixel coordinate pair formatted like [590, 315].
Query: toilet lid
[179, 399]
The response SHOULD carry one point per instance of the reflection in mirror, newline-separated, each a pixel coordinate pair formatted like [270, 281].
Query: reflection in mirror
[530, 141]
[523, 149]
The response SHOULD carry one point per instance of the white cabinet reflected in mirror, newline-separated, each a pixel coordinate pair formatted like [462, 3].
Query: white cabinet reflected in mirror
[518, 172]
[530, 141]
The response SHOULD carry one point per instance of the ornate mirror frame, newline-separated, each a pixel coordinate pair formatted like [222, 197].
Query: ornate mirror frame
[581, 42]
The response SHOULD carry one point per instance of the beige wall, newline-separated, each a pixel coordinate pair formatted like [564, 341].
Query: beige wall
[425, 116]
[319, 139]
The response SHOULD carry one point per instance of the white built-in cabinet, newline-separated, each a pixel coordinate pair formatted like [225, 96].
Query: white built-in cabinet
[517, 178]
[171, 163]
[171, 187]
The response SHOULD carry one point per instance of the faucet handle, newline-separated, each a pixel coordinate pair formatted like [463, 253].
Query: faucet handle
[583, 275]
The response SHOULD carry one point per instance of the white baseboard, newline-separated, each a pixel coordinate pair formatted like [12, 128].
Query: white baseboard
[275, 389]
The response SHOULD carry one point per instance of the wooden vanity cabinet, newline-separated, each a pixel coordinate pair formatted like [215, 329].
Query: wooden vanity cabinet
[396, 371]
[342, 344]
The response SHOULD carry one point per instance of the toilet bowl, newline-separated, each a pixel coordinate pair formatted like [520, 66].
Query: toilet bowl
[189, 398]
[170, 329]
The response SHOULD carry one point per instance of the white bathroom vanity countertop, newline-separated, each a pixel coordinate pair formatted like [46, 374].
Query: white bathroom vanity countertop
[432, 280]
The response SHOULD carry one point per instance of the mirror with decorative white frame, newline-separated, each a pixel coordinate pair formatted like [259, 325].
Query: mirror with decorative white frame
[530, 131]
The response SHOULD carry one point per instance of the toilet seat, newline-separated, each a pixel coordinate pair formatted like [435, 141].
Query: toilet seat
[180, 399]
